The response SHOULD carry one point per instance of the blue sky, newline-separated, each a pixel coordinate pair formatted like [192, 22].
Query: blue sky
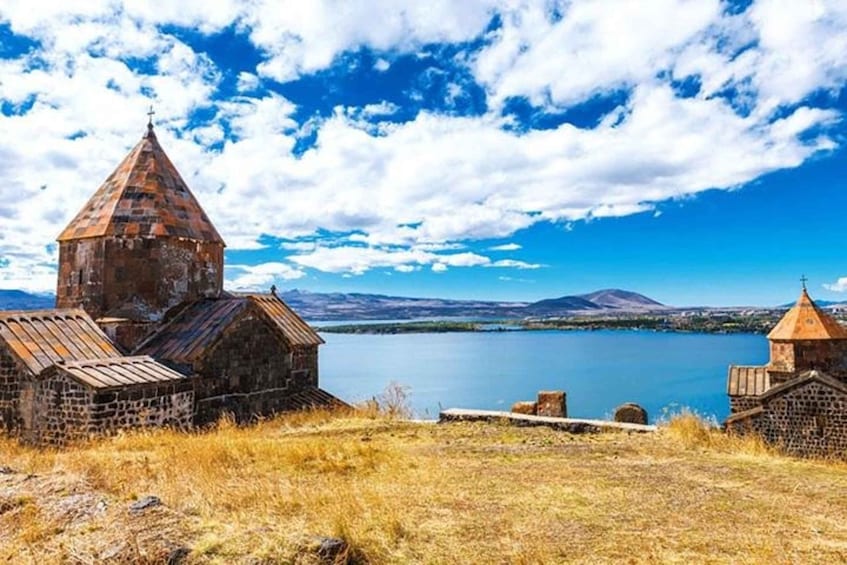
[691, 150]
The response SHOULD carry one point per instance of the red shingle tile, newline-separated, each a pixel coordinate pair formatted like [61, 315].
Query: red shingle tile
[144, 196]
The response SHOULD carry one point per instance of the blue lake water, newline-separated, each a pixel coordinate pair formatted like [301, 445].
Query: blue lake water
[598, 369]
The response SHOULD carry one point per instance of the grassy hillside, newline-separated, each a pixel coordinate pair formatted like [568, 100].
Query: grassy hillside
[403, 492]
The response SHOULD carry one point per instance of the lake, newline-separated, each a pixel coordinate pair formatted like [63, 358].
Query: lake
[490, 370]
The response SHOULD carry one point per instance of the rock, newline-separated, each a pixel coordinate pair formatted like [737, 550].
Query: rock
[552, 403]
[143, 504]
[113, 551]
[329, 550]
[525, 407]
[631, 413]
[177, 556]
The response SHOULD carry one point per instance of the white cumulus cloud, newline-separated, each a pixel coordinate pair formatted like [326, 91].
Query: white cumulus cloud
[838, 286]
[408, 194]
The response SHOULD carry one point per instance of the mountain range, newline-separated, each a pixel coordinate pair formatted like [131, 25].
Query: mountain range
[356, 306]
[20, 300]
[340, 306]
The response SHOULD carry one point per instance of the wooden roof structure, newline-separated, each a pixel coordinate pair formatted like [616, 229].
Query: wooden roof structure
[116, 372]
[145, 196]
[194, 330]
[41, 338]
[747, 381]
[806, 321]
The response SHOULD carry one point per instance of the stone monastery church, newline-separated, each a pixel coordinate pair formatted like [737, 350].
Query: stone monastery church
[799, 399]
[143, 333]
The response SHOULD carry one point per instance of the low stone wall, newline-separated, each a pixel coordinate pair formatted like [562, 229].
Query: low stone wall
[57, 410]
[168, 404]
[54, 410]
[572, 425]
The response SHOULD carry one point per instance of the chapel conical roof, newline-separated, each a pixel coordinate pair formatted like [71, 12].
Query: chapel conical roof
[805, 321]
[145, 196]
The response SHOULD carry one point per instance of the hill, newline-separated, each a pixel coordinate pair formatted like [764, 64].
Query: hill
[621, 299]
[359, 306]
[558, 306]
[403, 492]
[354, 306]
[20, 300]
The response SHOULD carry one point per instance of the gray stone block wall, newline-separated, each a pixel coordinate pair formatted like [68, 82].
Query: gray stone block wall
[742, 403]
[58, 410]
[250, 373]
[54, 410]
[809, 421]
[10, 379]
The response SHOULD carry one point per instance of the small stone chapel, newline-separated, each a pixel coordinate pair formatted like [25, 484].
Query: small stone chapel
[797, 401]
[143, 333]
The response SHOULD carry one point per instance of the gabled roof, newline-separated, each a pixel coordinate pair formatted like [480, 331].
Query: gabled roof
[295, 329]
[195, 329]
[144, 197]
[40, 338]
[802, 379]
[747, 381]
[116, 372]
[805, 321]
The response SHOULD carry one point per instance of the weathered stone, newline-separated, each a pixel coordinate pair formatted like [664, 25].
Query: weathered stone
[177, 555]
[330, 550]
[525, 407]
[631, 413]
[552, 403]
[142, 504]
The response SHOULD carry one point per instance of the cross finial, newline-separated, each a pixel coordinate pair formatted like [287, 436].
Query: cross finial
[150, 117]
[803, 280]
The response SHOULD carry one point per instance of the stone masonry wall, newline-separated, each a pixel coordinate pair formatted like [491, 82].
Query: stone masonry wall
[126, 334]
[137, 278]
[781, 356]
[55, 410]
[10, 384]
[80, 279]
[810, 420]
[742, 403]
[250, 373]
[828, 356]
[58, 410]
[169, 404]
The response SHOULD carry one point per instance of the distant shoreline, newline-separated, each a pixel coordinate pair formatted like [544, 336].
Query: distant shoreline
[674, 324]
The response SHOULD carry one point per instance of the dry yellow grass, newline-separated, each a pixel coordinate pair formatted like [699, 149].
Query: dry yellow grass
[403, 492]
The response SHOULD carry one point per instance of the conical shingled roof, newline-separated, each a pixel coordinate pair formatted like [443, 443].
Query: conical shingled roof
[144, 197]
[805, 321]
